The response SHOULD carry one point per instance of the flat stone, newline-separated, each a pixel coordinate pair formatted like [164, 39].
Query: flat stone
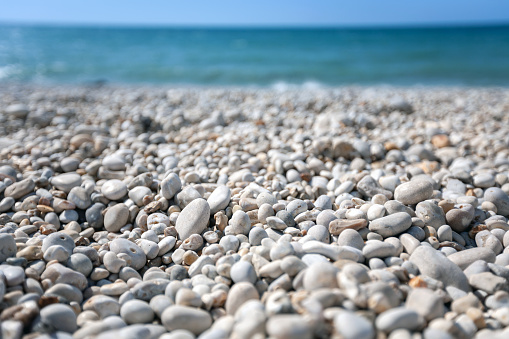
[488, 282]
[339, 225]
[20, 189]
[66, 181]
[391, 225]
[58, 238]
[466, 257]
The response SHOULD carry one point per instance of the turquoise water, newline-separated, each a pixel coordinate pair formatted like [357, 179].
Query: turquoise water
[475, 56]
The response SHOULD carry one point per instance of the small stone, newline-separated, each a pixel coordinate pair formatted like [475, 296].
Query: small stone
[116, 217]
[413, 192]
[435, 265]
[240, 223]
[193, 219]
[466, 257]
[59, 317]
[289, 326]
[238, 295]
[219, 199]
[488, 282]
[136, 312]
[397, 318]
[352, 326]
[336, 227]
[391, 225]
[499, 198]
[7, 247]
[114, 189]
[58, 238]
[20, 189]
[65, 182]
[243, 271]
[426, 303]
[170, 186]
[178, 317]
[137, 257]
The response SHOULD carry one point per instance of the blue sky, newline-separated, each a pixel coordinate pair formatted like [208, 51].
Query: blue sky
[255, 12]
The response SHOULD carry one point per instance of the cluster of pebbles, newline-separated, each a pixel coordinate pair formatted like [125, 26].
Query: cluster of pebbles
[350, 213]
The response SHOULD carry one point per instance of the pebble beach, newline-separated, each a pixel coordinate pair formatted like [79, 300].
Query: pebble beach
[347, 213]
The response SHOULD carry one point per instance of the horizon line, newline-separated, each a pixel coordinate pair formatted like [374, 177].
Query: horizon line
[459, 24]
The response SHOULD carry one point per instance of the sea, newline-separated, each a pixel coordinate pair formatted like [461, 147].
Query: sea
[411, 56]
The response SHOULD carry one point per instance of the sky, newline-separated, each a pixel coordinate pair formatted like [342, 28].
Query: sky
[255, 12]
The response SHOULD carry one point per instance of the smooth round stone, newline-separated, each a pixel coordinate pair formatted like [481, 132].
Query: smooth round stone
[81, 263]
[430, 213]
[413, 192]
[499, 198]
[58, 238]
[65, 182]
[289, 326]
[56, 252]
[397, 318]
[276, 223]
[238, 295]
[178, 317]
[113, 163]
[20, 189]
[69, 164]
[256, 235]
[391, 225]
[170, 186]
[133, 251]
[14, 275]
[159, 303]
[193, 219]
[112, 263]
[188, 194]
[266, 198]
[320, 275]
[116, 217]
[320, 233]
[379, 249]
[240, 223]
[297, 206]
[466, 257]
[103, 305]
[351, 238]
[425, 302]
[6, 204]
[219, 199]
[136, 312]
[68, 292]
[353, 326]
[7, 246]
[137, 194]
[323, 202]
[114, 189]
[59, 317]
[243, 271]
[325, 217]
[484, 180]
[487, 239]
[68, 215]
[460, 218]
